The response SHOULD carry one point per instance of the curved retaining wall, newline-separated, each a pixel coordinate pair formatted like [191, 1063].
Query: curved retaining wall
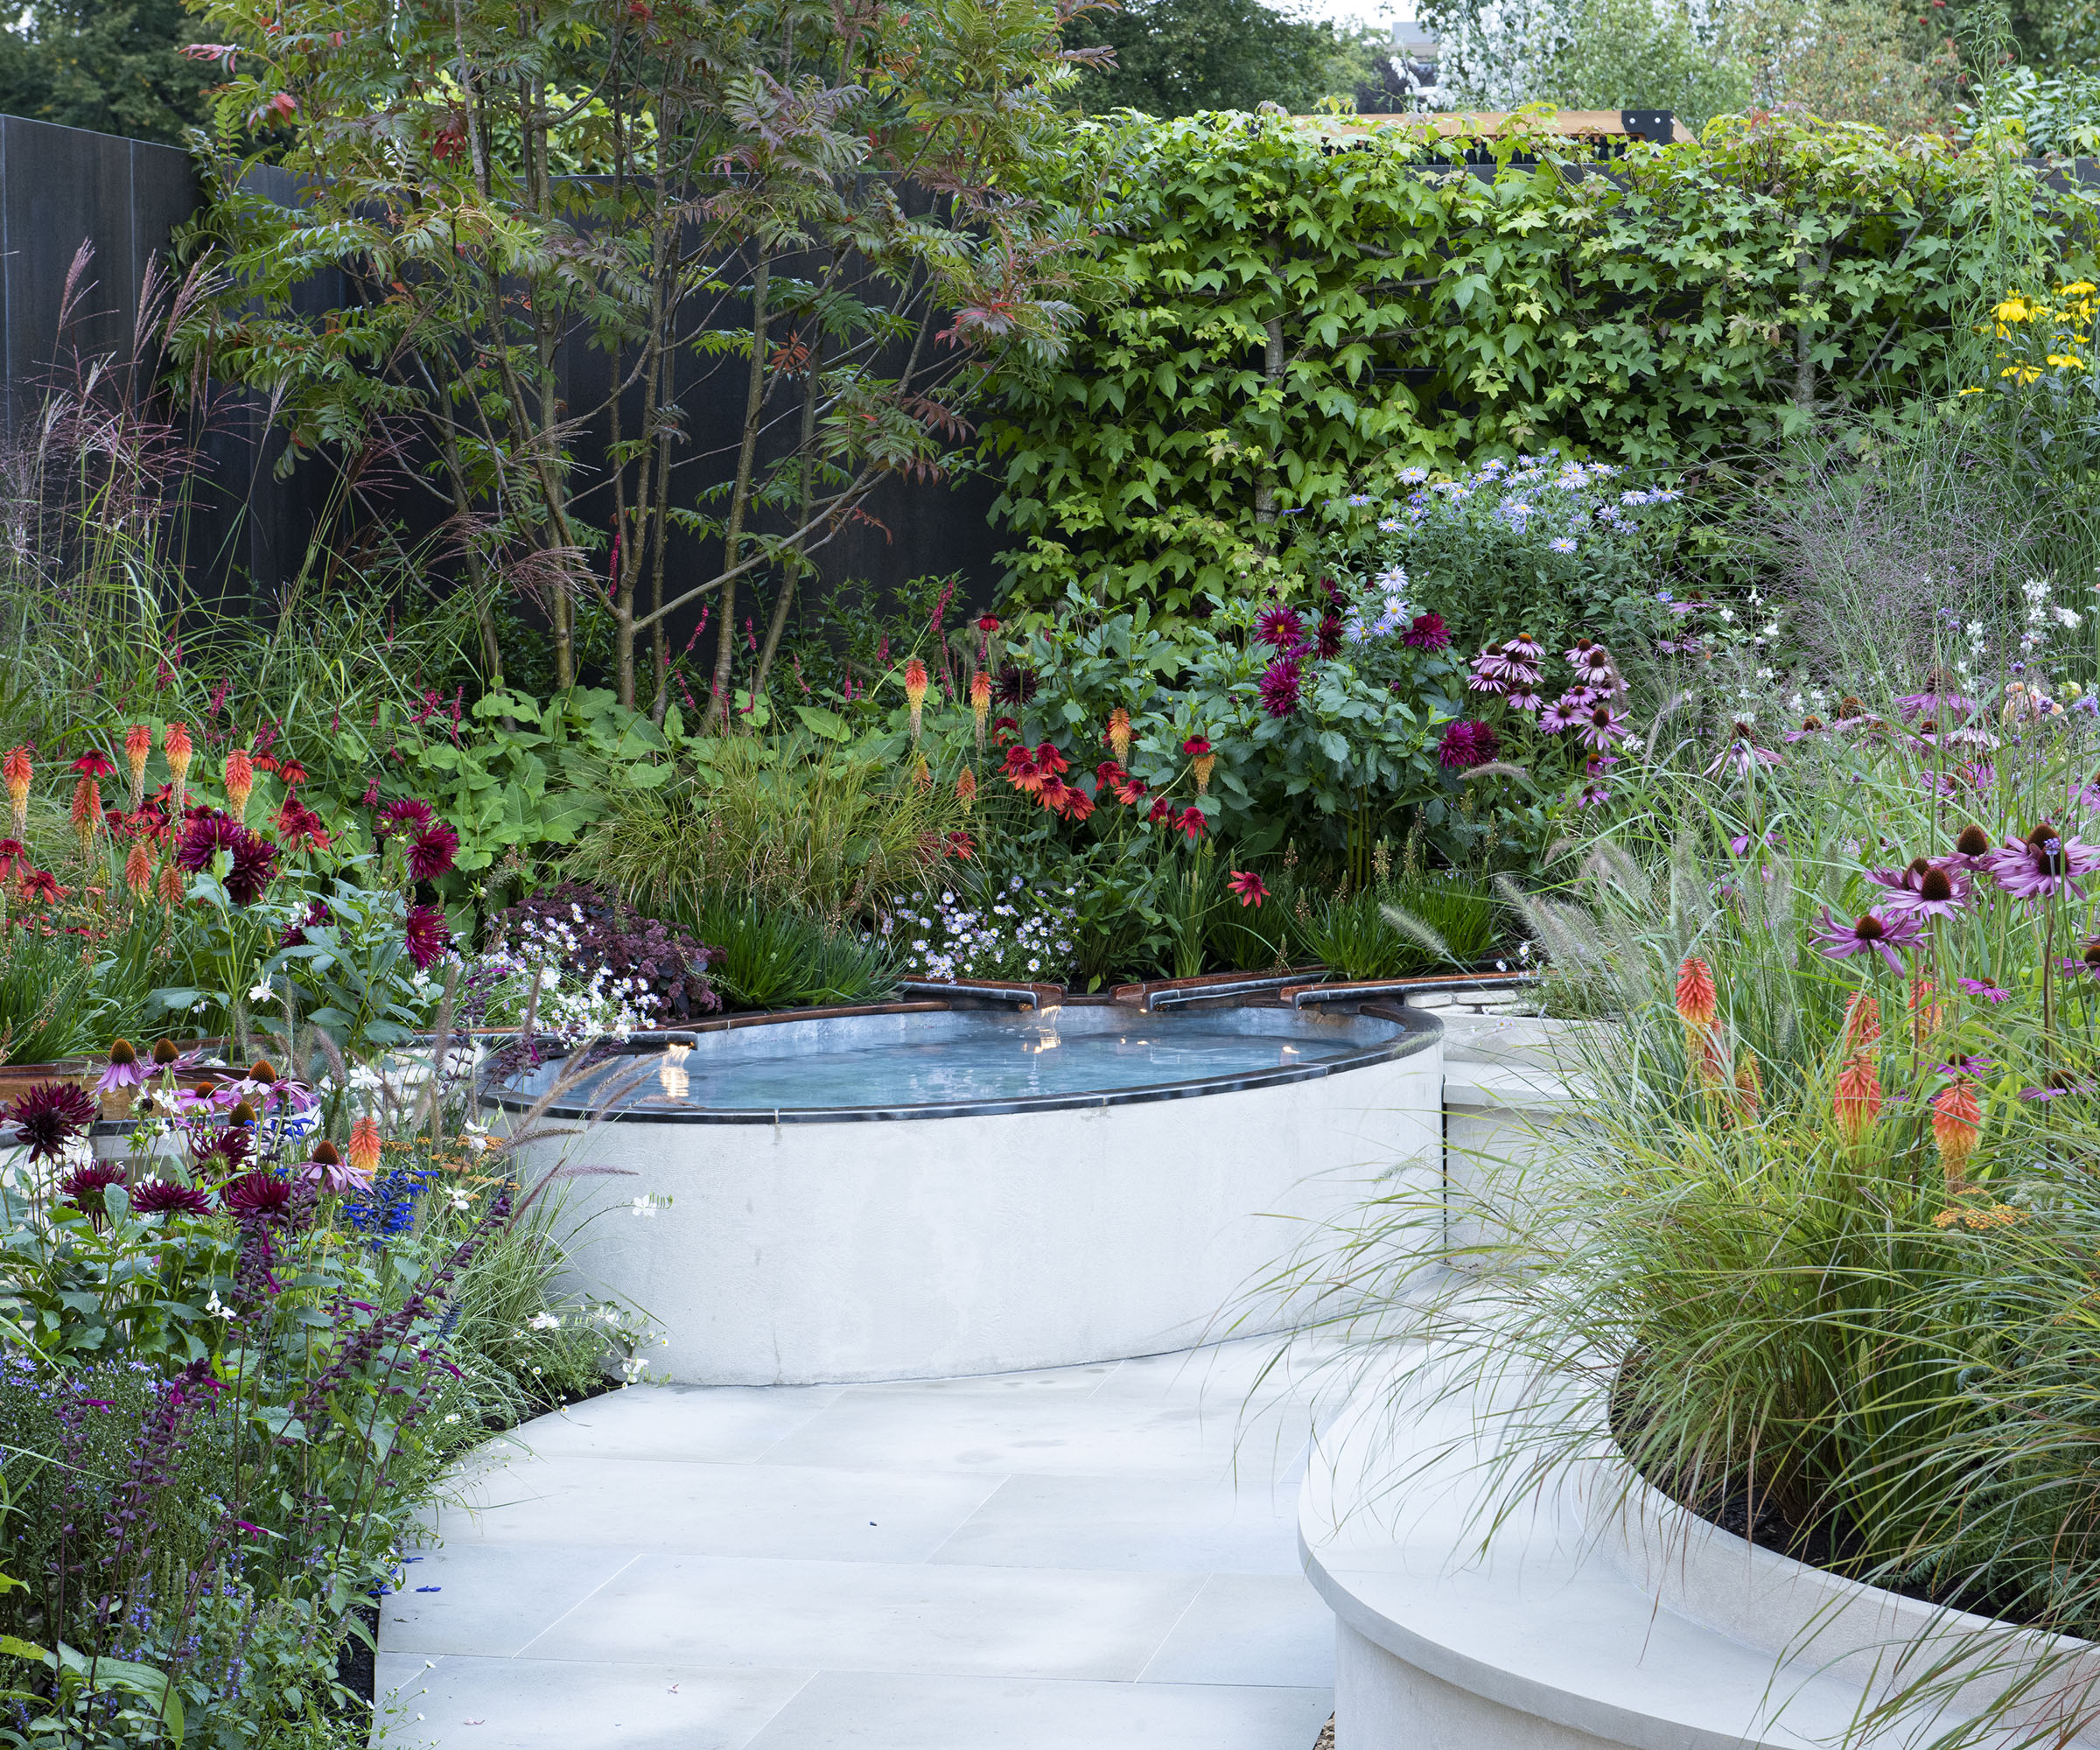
[1602, 1614]
[866, 1245]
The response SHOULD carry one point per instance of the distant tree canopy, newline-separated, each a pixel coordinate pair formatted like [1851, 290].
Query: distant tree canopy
[1175, 57]
[108, 65]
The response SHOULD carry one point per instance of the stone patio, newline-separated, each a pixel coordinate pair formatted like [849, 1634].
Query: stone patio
[1037, 1561]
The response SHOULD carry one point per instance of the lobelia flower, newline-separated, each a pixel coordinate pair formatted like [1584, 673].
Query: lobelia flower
[1881, 933]
[138, 745]
[915, 685]
[2042, 865]
[1856, 1102]
[15, 770]
[1248, 885]
[162, 1197]
[49, 1116]
[1957, 1124]
[240, 780]
[980, 701]
[427, 935]
[1741, 754]
[124, 1072]
[1466, 744]
[431, 852]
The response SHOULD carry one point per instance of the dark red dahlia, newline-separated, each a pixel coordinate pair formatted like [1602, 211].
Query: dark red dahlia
[49, 1116]
[228, 1149]
[257, 1196]
[408, 817]
[1467, 743]
[1281, 687]
[1428, 632]
[1013, 684]
[433, 851]
[254, 858]
[162, 1197]
[1329, 643]
[84, 1186]
[1280, 626]
[428, 937]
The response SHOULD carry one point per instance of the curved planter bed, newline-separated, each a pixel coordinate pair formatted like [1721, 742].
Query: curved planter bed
[1602, 1613]
[932, 1192]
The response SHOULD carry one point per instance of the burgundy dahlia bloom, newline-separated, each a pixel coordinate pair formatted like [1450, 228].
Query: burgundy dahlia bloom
[51, 1114]
[295, 934]
[162, 1197]
[428, 939]
[254, 857]
[1281, 687]
[1466, 744]
[1427, 633]
[84, 1186]
[407, 816]
[433, 851]
[257, 1196]
[1280, 626]
[1329, 641]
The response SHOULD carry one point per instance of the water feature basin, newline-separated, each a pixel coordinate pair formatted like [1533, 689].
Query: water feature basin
[892, 1195]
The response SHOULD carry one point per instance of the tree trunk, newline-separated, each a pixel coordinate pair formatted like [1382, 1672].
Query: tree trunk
[732, 534]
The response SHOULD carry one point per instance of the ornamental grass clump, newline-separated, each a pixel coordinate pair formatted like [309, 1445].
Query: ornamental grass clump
[1813, 1245]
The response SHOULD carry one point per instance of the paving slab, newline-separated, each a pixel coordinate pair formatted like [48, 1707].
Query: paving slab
[1034, 1561]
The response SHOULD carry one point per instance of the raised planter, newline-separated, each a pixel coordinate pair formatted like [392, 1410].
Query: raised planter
[1601, 1613]
[932, 1238]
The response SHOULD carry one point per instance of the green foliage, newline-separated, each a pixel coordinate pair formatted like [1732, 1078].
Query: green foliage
[1175, 57]
[1296, 315]
[1632, 55]
[115, 68]
[1433, 923]
[2056, 116]
[52, 1000]
[776, 957]
[793, 821]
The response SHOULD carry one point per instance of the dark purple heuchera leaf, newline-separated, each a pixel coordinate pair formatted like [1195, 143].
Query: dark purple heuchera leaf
[672, 960]
[49, 1116]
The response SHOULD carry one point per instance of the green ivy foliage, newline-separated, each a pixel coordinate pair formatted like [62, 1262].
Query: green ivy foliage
[1305, 308]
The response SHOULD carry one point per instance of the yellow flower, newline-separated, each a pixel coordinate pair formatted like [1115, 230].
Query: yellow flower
[2027, 373]
[1970, 391]
[2013, 309]
[2066, 362]
[2079, 288]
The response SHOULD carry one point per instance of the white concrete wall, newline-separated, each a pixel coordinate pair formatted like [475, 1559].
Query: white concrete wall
[932, 1247]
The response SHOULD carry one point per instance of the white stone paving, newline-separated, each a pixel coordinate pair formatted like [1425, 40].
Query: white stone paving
[1083, 1558]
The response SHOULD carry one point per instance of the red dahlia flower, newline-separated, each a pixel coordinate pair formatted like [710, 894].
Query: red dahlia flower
[51, 1114]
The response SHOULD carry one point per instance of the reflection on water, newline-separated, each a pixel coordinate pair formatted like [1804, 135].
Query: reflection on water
[1012, 1061]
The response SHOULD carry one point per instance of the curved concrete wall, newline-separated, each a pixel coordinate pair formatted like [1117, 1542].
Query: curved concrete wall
[884, 1248]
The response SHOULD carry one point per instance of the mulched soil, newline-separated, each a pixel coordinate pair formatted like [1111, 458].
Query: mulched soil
[1326, 1741]
[356, 1667]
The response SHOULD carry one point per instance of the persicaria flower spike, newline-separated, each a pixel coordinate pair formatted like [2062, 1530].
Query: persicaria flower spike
[1957, 1123]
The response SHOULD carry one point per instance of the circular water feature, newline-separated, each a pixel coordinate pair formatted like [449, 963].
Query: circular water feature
[1087, 1182]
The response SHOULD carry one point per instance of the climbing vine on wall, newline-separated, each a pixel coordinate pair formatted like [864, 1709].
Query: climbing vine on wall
[1301, 314]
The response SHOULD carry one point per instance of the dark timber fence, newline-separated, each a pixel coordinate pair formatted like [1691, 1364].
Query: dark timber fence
[61, 187]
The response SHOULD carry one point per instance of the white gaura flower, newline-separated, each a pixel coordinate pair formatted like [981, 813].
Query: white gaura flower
[544, 1321]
